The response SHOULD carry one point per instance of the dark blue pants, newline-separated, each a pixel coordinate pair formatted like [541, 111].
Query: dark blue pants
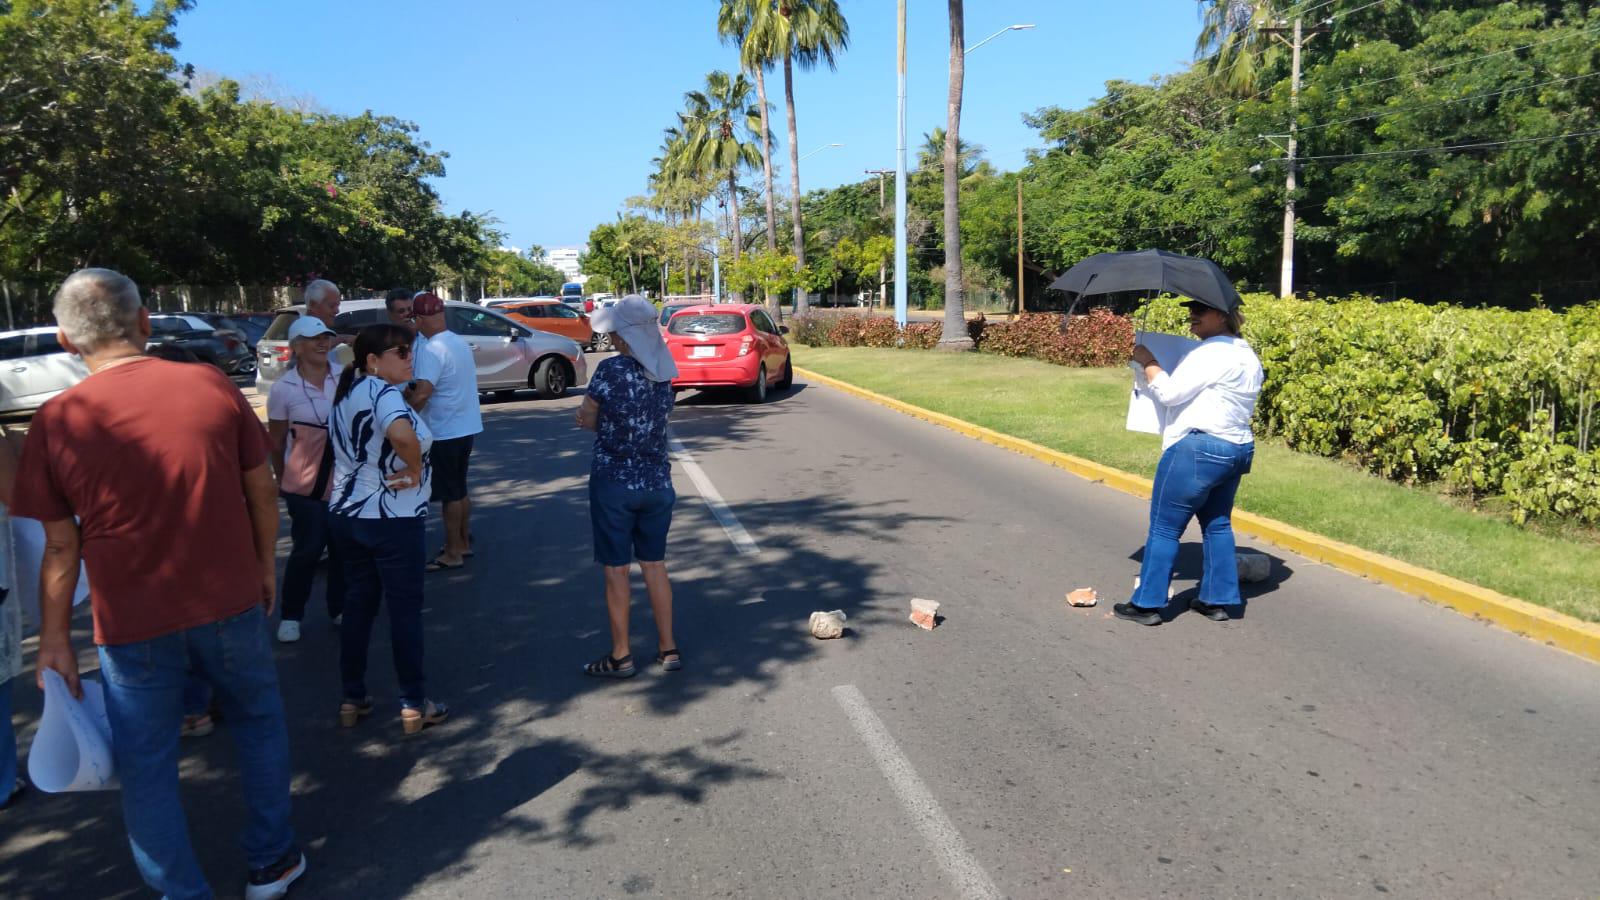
[383, 560]
[309, 522]
[1196, 478]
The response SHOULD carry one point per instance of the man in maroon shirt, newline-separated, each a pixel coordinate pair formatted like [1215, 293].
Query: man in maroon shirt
[155, 474]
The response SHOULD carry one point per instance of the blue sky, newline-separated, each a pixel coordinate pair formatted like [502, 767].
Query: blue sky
[551, 111]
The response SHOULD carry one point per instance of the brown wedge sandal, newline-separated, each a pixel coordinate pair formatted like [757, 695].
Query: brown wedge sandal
[414, 718]
[353, 711]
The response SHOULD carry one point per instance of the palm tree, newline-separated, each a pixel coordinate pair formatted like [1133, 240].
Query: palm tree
[1232, 42]
[969, 156]
[955, 335]
[814, 32]
[750, 25]
[718, 120]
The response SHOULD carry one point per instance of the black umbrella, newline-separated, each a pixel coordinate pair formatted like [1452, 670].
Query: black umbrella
[1151, 270]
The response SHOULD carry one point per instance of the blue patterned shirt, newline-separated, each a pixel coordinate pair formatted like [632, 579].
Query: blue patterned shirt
[630, 445]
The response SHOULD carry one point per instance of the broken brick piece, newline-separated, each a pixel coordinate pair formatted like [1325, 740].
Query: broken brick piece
[1083, 597]
[923, 619]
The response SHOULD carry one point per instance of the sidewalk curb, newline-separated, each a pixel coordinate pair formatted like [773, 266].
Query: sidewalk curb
[1519, 616]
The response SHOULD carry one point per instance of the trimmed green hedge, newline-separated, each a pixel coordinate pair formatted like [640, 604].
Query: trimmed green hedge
[1493, 404]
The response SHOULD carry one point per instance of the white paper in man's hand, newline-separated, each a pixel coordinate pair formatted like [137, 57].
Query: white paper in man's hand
[72, 749]
[1145, 414]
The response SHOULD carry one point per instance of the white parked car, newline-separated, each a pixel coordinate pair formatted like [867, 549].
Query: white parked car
[34, 367]
[510, 356]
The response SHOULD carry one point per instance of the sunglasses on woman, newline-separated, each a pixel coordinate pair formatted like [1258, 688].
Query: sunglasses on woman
[402, 351]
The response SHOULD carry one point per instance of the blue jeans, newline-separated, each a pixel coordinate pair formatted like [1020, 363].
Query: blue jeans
[309, 522]
[1197, 477]
[8, 744]
[144, 685]
[383, 560]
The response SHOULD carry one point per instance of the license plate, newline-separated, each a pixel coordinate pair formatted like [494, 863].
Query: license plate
[702, 352]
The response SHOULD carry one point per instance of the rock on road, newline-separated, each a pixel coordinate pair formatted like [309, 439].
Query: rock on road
[1340, 740]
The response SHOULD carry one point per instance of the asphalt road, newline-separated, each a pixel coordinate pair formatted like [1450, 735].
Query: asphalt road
[1340, 740]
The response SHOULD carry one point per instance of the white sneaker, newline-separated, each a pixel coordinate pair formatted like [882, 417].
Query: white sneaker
[288, 631]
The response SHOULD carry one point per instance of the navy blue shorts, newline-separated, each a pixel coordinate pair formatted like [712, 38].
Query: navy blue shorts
[629, 524]
[449, 458]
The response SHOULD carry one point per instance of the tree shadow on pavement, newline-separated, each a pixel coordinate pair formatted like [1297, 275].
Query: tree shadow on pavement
[378, 813]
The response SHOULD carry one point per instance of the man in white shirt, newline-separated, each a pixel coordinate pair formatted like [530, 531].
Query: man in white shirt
[446, 393]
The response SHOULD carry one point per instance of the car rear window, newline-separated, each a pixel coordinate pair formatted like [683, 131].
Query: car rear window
[279, 329]
[707, 323]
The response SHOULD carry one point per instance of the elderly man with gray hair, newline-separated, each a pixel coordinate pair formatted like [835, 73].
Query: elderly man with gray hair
[155, 474]
[322, 301]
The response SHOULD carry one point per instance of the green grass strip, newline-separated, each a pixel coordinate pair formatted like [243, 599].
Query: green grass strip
[1082, 411]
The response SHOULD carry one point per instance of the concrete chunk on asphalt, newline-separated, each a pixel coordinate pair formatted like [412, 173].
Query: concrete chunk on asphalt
[1254, 567]
[1083, 597]
[827, 625]
[925, 613]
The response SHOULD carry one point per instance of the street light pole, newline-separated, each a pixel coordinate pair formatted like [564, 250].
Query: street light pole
[900, 180]
[883, 274]
[818, 150]
[995, 35]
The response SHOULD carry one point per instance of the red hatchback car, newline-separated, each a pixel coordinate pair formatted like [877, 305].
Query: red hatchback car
[729, 346]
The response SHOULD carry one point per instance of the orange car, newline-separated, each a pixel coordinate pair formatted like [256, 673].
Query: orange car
[553, 316]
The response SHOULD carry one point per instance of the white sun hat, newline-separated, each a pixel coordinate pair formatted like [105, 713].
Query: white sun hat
[636, 321]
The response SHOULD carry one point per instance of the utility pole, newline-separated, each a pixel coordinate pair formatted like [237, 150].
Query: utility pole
[883, 270]
[1019, 246]
[900, 182]
[1299, 37]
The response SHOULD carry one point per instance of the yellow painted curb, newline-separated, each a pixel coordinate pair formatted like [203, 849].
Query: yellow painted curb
[1556, 629]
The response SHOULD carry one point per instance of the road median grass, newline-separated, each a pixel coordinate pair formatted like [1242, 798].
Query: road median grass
[1081, 412]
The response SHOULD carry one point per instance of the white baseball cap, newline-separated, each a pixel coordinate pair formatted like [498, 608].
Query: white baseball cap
[309, 327]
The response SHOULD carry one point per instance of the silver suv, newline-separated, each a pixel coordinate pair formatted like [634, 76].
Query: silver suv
[509, 356]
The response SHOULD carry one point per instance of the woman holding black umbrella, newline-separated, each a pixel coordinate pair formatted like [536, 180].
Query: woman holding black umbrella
[1207, 446]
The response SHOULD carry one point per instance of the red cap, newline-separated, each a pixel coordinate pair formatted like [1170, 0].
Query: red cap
[426, 304]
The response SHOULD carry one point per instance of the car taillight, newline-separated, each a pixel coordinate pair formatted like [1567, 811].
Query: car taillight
[746, 344]
[283, 356]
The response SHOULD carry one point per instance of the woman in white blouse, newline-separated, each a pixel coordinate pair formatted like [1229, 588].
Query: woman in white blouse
[1207, 446]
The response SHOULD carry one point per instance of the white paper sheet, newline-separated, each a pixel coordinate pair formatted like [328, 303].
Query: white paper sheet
[72, 748]
[28, 543]
[1145, 413]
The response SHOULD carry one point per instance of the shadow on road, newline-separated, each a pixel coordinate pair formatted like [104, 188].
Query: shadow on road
[506, 637]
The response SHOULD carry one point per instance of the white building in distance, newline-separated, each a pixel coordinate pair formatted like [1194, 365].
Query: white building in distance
[566, 260]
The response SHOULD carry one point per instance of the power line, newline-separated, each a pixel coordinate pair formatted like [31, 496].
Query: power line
[1420, 106]
[1451, 148]
[1461, 62]
[1427, 71]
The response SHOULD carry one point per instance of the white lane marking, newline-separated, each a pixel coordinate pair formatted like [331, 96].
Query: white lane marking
[936, 827]
[742, 541]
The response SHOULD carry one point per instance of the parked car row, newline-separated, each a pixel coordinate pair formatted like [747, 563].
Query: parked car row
[509, 354]
[535, 343]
